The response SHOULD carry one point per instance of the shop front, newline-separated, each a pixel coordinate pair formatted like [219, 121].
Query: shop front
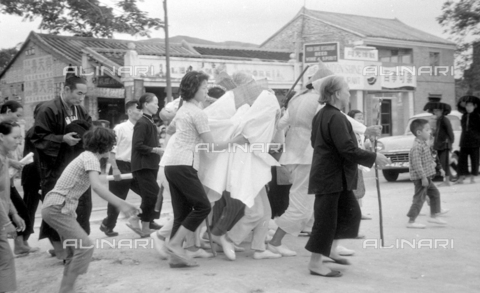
[370, 82]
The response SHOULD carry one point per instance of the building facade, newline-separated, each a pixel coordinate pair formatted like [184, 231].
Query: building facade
[380, 58]
[119, 70]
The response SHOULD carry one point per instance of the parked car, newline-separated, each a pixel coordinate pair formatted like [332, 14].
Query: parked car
[397, 148]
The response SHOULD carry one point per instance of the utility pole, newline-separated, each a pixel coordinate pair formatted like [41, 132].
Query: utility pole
[167, 54]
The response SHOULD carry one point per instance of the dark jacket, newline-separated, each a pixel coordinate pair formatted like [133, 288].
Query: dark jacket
[444, 136]
[145, 138]
[49, 128]
[335, 153]
[31, 172]
[470, 137]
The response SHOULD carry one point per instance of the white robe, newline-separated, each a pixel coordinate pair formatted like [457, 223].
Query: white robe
[243, 171]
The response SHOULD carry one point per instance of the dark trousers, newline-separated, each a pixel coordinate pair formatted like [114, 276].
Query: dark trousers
[337, 216]
[31, 188]
[278, 195]
[443, 157]
[22, 210]
[419, 198]
[120, 189]
[149, 189]
[227, 211]
[463, 161]
[189, 200]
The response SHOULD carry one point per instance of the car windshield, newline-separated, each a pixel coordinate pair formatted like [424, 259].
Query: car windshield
[454, 120]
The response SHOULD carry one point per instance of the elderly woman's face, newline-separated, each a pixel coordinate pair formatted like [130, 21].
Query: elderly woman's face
[344, 94]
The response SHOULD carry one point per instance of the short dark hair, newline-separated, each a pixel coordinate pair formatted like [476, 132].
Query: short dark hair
[352, 113]
[130, 104]
[191, 83]
[216, 92]
[72, 82]
[6, 127]
[417, 124]
[99, 140]
[145, 98]
[10, 105]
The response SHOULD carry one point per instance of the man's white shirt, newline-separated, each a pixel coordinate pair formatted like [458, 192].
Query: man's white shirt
[123, 149]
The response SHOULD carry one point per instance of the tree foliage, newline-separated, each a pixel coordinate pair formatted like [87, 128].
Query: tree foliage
[5, 56]
[461, 19]
[86, 18]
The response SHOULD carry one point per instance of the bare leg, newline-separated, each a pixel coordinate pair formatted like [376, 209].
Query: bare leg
[277, 237]
[316, 265]
[176, 242]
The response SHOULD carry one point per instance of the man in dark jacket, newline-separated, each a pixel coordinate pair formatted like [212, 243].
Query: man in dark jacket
[442, 143]
[469, 143]
[55, 146]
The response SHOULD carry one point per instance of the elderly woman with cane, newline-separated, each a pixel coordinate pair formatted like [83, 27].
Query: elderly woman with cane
[333, 177]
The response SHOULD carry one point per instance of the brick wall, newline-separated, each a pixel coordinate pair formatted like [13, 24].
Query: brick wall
[313, 32]
[430, 84]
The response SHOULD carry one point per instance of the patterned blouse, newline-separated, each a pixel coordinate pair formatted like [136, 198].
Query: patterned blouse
[190, 121]
[73, 182]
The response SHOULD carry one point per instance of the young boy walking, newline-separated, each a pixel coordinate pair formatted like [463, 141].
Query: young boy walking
[422, 169]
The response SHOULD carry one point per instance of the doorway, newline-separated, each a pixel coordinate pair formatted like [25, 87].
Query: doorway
[111, 109]
[386, 117]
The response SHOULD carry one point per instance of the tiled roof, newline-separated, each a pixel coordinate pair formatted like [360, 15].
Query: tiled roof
[248, 53]
[71, 47]
[376, 27]
[70, 50]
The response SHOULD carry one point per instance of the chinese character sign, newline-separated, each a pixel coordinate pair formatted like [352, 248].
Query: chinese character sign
[325, 52]
[39, 85]
[397, 77]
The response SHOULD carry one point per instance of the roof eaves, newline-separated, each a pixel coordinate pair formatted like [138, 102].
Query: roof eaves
[382, 41]
[104, 60]
[239, 58]
[243, 48]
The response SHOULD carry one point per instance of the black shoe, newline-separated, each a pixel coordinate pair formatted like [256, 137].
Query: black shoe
[155, 226]
[109, 232]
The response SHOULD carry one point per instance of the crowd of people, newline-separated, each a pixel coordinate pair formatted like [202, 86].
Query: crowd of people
[210, 165]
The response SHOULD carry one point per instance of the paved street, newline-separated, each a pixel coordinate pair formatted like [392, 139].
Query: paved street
[399, 268]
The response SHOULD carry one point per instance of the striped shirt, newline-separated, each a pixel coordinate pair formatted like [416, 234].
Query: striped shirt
[421, 161]
[190, 121]
[73, 183]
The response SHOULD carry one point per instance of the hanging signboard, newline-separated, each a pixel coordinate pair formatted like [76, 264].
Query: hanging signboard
[325, 52]
[361, 54]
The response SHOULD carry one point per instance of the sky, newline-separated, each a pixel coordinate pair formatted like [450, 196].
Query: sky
[251, 21]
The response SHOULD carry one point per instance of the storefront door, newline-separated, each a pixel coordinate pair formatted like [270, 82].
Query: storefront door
[111, 109]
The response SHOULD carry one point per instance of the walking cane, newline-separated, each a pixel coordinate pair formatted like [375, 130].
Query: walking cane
[376, 176]
[293, 86]
[214, 251]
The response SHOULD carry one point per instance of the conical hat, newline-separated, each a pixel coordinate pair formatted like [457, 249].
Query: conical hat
[321, 72]
[248, 93]
[224, 80]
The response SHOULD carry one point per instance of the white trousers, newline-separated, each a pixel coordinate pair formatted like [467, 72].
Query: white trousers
[256, 218]
[300, 207]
